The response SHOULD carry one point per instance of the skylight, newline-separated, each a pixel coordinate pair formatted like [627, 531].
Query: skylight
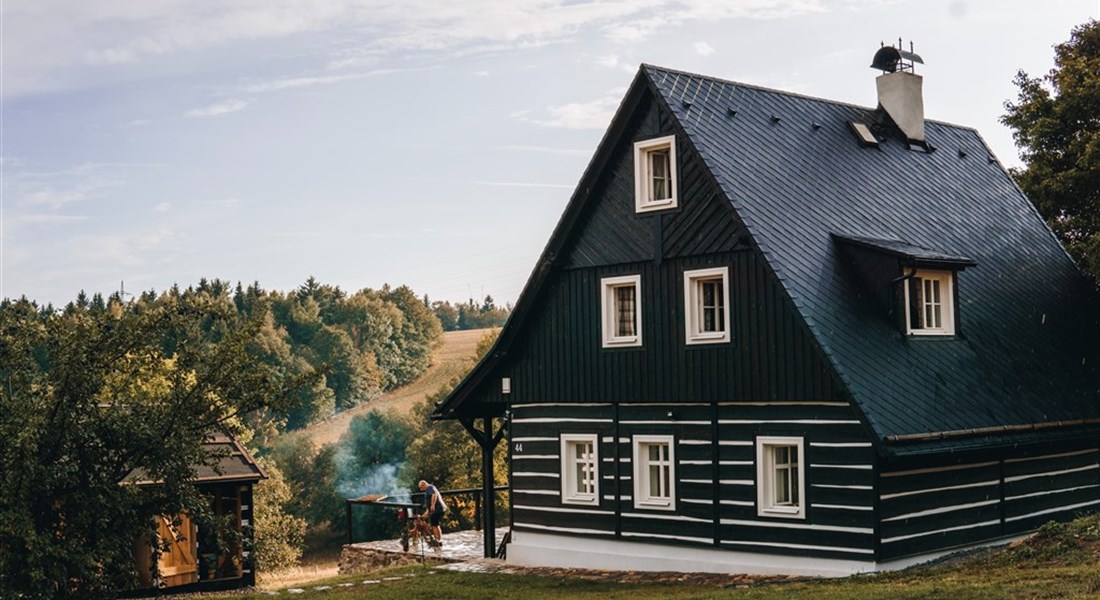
[863, 132]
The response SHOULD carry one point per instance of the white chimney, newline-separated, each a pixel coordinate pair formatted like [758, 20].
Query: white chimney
[900, 90]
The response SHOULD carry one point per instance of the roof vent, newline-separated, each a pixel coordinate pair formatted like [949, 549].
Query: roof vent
[900, 89]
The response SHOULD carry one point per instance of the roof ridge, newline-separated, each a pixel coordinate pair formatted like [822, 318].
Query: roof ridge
[761, 88]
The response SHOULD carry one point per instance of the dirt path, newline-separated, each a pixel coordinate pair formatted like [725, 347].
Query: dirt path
[451, 359]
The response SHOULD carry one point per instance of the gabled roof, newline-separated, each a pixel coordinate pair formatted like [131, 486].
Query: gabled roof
[795, 174]
[234, 463]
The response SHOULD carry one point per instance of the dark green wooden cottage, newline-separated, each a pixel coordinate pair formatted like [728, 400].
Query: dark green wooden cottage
[780, 334]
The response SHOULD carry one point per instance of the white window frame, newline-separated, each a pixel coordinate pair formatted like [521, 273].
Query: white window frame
[766, 505]
[643, 195]
[642, 497]
[693, 317]
[946, 304]
[610, 311]
[570, 494]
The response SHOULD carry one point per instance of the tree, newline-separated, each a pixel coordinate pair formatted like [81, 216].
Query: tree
[368, 461]
[1056, 125]
[91, 397]
[278, 534]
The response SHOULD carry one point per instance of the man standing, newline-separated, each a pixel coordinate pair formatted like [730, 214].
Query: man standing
[433, 508]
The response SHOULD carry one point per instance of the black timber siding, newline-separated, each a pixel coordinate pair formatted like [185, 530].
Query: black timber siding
[715, 475]
[948, 501]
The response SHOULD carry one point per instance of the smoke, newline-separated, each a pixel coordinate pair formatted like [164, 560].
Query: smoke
[376, 479]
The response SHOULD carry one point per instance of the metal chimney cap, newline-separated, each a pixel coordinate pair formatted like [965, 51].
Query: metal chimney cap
[888, 57]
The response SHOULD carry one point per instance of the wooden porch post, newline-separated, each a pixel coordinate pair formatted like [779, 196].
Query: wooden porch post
[487, 440]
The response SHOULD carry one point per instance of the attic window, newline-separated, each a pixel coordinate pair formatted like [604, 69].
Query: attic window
[706, 306]
[621, 302]
[930, 303]
[863, 132]
[655, 174]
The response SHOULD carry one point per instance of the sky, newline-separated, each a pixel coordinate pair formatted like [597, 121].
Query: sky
[429, 143]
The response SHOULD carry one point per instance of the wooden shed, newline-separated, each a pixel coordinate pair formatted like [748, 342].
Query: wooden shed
[196, 560]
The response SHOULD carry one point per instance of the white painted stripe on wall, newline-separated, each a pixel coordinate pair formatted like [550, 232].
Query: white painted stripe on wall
[608, 439]
[841, 444]
[801, 547]
[563, 529]
[696, 501]
[945, 488]
[783, 403]
[683, 538]
[737, 502]
[559, 420]
[803, 526]
[704, 481]
[561, 509]
[832, 486]
[733, 443]
[941, 510]
[551, 404]
[664, 422]
[1046, 456]
[787, 422]
[535, 457]
[670, 405]
[736, 481]
[528, 474]
[938, 531]
[536, 492]
[854, 467]
[1054, 510]
[1049, 492]
[695, 442]
[696, 462]
[842, 507]
[650, 516]
[611, 459]
[534, 439]
[938, 469]
[735, 463]
[1051, 473]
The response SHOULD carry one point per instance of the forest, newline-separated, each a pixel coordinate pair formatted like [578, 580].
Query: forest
[108, 386]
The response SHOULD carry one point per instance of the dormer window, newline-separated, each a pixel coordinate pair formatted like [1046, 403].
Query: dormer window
[621, 302]
[930, 303]
[655, 174]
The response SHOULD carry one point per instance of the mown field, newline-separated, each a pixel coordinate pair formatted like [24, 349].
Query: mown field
[1061, 561]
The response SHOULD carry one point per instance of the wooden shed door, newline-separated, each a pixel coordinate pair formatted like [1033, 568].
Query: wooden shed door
[177, 565]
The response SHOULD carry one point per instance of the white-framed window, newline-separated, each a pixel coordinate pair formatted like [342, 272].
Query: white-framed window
[930, 303]
[780, 477]
[654, 472]
[655, 174]
[580, 461]
[707, 306]
[621, 300]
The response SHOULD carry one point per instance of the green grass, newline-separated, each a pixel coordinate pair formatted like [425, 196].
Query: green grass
[1061, 561]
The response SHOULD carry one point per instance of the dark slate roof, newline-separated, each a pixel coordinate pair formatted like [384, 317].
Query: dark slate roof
[228, 461]
[911, 253]
[796, 174]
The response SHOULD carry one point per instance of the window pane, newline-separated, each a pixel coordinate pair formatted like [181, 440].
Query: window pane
[655, 481]
[782, 486]
[625, 305]
[794, 484]
[659, 171]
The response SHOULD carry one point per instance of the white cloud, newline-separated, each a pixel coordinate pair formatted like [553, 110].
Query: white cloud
[594, 114]
[704, 49]
[480, 73]
[525, 184]
[163, 207]
[224, 107]
[115, 33]
[609, 61]
[227, 202]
